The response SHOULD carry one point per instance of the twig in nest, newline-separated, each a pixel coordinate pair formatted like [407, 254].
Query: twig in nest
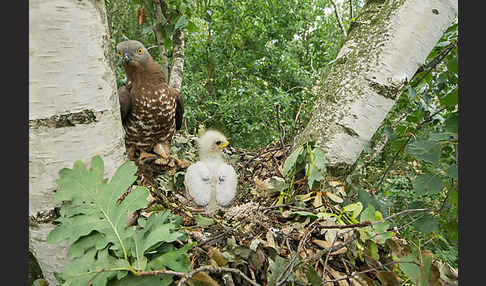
[355, 274]
[355, 235]
[210, 268]
[229, 230]
[327, 258]
[280, 128]
[289, 269]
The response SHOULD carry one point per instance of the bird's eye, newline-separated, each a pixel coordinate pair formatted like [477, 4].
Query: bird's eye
[218, 143]
[139, 51]
[119, 53]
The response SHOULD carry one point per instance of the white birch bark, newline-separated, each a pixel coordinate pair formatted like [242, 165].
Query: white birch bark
[177, 61]
[390, 40]
[71, 79]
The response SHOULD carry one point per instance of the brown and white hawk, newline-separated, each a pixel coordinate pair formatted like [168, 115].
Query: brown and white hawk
[151, 110]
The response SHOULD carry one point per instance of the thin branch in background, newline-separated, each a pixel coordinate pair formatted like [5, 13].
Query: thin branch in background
[434, 62]
[298, 113]
[279, 125]
[164, 61]
[447, 196]
[338, 16]
[350, 9]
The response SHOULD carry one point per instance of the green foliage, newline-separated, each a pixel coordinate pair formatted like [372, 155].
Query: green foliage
[425, 174]
[308, 158]
[102, 249]
[240, 58]
[377, 233]
[276, 268]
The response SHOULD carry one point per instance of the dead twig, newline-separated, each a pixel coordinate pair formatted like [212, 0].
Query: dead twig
[289, 268]
[355, 274]
[327, 258]
[213, 269]
[322, 252]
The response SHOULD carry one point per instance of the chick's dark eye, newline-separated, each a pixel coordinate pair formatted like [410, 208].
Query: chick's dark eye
[218, 143]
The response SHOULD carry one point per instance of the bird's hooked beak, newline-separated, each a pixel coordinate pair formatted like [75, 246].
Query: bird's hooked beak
[223, 145]
[125, 59]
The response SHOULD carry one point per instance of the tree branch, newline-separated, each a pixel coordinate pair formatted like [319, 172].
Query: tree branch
[176, 72]
[279, 125]
[350, 9]
[338, 16]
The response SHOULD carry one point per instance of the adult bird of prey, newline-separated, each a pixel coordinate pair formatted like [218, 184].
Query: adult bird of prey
[151, 110]
[209, 181]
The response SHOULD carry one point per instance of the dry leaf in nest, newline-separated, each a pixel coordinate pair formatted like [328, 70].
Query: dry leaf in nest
[217, 258]
[202, 278]
[326, 245]
[337, 275]
[187, 220]
[271, 241]
[397, 247]
[334, 197]
[361, 280]
[388, 278]
[270, 186]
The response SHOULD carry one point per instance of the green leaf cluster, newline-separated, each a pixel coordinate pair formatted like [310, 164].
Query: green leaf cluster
[102, 249]
[308, 158]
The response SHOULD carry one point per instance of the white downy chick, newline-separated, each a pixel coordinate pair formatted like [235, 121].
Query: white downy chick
[210, 181]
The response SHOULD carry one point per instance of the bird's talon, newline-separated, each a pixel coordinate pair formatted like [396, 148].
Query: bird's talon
[145, 156]
[161, 161]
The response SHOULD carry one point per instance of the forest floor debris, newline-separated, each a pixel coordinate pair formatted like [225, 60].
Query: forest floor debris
[259, 241]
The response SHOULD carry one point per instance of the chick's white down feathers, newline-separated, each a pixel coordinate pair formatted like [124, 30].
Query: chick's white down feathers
[211, 182]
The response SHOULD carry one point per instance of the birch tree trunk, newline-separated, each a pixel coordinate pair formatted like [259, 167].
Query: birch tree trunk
[74, 111]
[385, 46]
[177, 61]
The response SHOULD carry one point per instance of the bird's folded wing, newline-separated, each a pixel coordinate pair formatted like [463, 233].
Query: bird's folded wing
[198, 183]
[125, 102]
[179, 111]
[225, 184]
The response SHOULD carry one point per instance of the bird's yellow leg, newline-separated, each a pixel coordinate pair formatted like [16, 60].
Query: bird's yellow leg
[163, 150]
[144, 155]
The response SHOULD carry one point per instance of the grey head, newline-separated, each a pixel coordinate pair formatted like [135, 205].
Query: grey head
[132, 53]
